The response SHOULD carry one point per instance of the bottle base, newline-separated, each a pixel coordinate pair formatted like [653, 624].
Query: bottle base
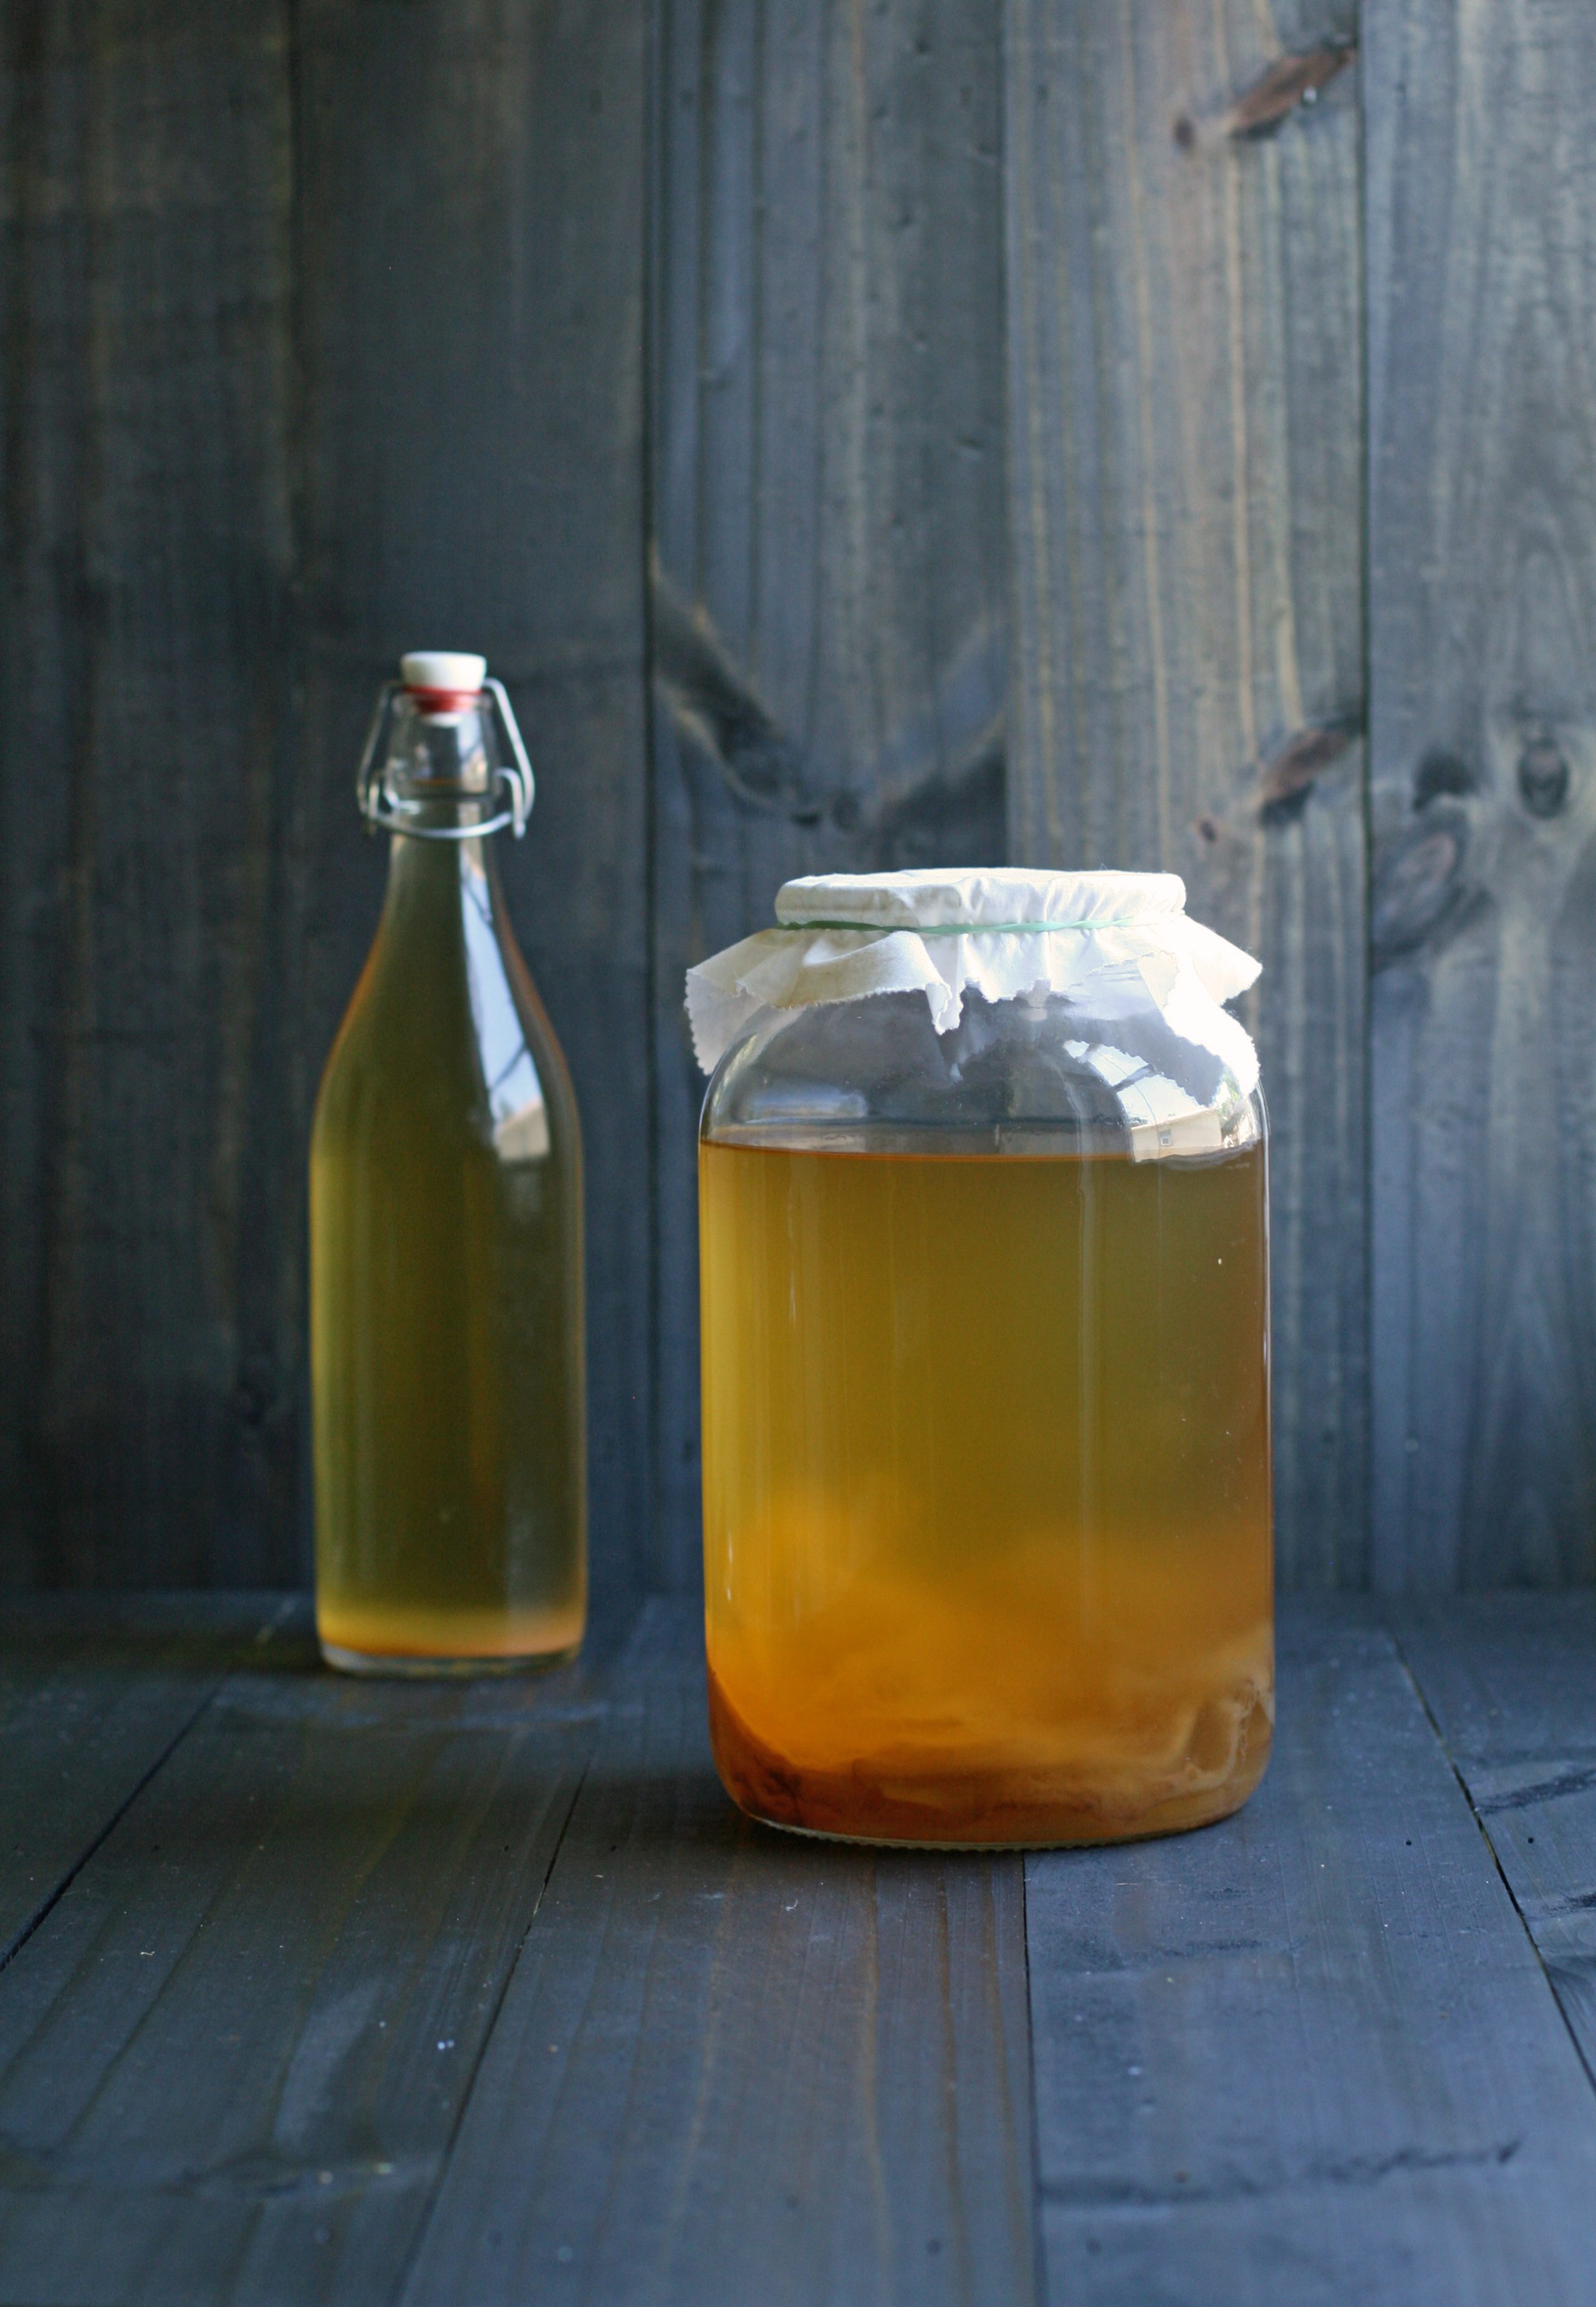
[393, 1665]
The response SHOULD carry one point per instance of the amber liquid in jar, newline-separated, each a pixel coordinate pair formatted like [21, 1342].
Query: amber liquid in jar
[986, 1490]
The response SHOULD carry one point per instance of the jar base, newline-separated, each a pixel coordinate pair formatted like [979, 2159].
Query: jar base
[380, 1664]
[1097, 1839]
[1006, 1809]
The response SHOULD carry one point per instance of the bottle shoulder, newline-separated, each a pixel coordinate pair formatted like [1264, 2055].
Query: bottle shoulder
[445, 1038]
[543, 1043]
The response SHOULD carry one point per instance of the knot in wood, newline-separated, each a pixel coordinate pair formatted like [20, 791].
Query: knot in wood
[1417, 882]
[1543, 777]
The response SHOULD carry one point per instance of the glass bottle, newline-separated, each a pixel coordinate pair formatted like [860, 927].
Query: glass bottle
[446, 1233]
[987, 1517]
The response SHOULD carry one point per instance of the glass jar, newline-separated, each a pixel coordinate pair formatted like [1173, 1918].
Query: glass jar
[986, 1337]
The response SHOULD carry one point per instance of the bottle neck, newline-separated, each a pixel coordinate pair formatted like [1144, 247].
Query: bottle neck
[444, 860]
[442, 907]
[429, 816]
[442, 777]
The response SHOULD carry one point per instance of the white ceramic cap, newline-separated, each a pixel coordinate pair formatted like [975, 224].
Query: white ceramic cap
[443, 669]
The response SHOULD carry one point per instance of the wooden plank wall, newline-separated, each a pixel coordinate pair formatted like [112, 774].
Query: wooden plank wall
[1483, 691]
[861, 434]
[323, 339]
[827, 509]
[470, 268]
[1185, 354]
[150, 1307]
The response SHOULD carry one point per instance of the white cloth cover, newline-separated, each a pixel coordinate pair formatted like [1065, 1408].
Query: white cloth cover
[1117, 946]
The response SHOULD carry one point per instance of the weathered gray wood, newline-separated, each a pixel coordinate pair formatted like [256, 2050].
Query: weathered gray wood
[737, 2067]
[826, 505]
[89, 1710]
[1481, 266]
[1509, 1679]
[149, 1165]
[233, 2056]
[318, 321]
[323, 330]
[1308, 2055]
[1184, 325]
[471, 271]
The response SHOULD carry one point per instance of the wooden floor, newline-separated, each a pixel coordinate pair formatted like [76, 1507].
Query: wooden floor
[313, 1990]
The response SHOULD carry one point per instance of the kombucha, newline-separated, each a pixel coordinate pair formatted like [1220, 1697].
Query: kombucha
[986, 1490]
[446, 1315]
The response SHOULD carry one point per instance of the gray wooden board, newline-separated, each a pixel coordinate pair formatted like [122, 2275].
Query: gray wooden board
[1481, 270]
[470, 270]
[1308, 2055]
[323, 334]
[1511, 1680]
[232, 2055]
[88, 1708]
[1185, 432]
[149, 1165]
[826, 505]
[298, 2028]
[738, 2067]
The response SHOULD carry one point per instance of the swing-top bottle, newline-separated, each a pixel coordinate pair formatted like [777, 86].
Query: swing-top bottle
[446, 1233]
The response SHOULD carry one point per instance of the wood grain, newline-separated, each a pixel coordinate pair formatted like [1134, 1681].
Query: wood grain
[1309, 2054]
[322, 339]
[826, 510]
[89, 1710]
[233, 2056]
[1508, 1677]
[326, 328]
[1481, 264]
[315, 2020]
[470, 270]
[737, 2066]
[149, 1169]
[1184, 320]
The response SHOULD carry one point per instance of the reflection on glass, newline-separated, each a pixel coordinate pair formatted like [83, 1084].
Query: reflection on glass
[520, 1122]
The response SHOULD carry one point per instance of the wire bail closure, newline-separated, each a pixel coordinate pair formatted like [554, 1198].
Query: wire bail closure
[379, 809]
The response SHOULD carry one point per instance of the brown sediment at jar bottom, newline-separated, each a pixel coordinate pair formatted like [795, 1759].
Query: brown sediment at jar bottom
[972, 1810]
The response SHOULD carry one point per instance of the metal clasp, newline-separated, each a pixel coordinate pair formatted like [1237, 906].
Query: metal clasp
[377, 804]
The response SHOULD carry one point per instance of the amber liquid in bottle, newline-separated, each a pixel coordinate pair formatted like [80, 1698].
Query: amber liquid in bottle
[986, 1490]
[446, 1295]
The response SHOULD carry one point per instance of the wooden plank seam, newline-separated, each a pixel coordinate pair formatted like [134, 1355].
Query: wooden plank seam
[1586, 2058]
[418, 2238]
